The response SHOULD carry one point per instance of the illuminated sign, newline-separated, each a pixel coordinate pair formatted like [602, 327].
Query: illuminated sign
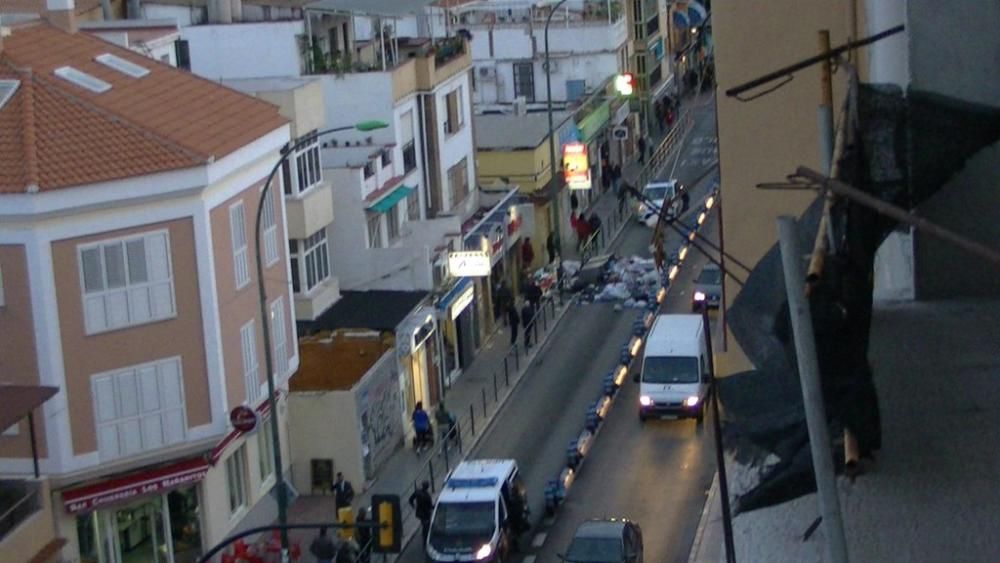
[576, 166]
[469, 263]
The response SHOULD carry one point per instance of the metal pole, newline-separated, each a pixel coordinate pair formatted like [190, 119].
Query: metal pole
[720, 456]
[472, 419]
[31, 437]
[812, 392]
[824, 113]
[554, 215]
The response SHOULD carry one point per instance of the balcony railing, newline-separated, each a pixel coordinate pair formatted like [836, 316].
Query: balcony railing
[500, 14]
[19, 499]
[447, 50]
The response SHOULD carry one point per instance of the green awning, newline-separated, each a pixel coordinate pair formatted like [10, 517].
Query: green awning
[593, 123]
[390, 201]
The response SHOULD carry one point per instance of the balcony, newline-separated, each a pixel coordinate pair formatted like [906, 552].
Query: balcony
[444, 60]
[310, 305]
[26, 525]
[311, 211]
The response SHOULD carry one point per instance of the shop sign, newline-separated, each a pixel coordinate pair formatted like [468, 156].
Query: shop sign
[125, 489]
[469, 263]
[243, 418]
[576, 166]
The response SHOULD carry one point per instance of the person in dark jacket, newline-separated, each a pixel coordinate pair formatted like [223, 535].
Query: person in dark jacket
[527, 319]
[343, 493]
[550, 246]
[514, 321]
[533, 293]
[594, 222]
[504, 300]
[323, 548]
[423, 506]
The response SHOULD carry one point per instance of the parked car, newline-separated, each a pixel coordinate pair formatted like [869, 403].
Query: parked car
[660, 192]
[707, 288]
[616, 540]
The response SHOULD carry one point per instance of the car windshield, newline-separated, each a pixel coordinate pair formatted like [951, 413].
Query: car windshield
[595, 550]
[464, 519]
[670, 369]
[710, 276]
[655, 192]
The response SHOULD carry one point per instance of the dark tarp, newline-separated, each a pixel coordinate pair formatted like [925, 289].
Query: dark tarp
[902, 150]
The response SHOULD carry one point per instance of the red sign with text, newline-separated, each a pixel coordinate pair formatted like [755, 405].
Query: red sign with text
[125, 489]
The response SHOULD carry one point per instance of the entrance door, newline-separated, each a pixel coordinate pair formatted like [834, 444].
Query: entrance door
[138, 533]
[417, 376]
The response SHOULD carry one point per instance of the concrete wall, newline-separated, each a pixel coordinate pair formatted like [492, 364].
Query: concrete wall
[247, 50]
[324, 426]
[344, 105]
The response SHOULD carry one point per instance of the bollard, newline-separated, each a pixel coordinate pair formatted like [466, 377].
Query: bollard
[517, 360]
[545, 320]
[534, 329]
[444, 449]
[472, 419]
[506, 373]
[496, 397]
[430, 467]
[484, 401]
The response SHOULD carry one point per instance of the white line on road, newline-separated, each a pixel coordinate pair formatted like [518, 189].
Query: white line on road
[539, 539]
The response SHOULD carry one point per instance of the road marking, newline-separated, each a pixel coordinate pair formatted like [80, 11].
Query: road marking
[539, 539]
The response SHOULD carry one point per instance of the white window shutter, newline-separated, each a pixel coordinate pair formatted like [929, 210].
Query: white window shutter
[128, 394]
[149, 389]
[171, 390]
[157, 257]
[107, 442]
[116, 309]
[161, 298]
[95, 318]
[130, 435]
[152, 431]
[173, 426]
[139, 304]
[103, 390]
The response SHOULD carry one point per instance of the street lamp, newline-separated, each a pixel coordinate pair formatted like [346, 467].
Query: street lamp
[552, 141]
[288, 150]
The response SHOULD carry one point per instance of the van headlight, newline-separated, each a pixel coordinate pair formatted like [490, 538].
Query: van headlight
[645, 400]
[691, 401]
[484, 552]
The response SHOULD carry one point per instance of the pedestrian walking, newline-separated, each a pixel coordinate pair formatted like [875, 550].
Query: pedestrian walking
[422, 505]
[527, 253]
[616, 177]
[533, 293]
[594, 222]
[514, 321]
[503, 301]
[641, 143]
[528, 320]
[582, 231]
[574, 202]
[323, 548]
[550, 246]
[343, 493]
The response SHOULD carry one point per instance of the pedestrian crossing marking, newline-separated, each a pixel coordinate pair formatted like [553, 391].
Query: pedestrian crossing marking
[539, 539]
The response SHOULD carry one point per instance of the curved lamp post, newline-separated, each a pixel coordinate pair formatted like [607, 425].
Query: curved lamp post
[287, 151]
[552, 141]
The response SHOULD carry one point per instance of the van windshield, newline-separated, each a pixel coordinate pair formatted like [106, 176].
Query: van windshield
[464, 519]
[670, 369]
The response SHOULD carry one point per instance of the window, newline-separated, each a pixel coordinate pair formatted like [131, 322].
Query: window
[653, 25]
[386, 157]
[126, 282]
[278, 337]
[270, 234]
[392, 219]
[458, 182]
[238, 233]
[293, 259]
[454, 116]
[413, 206]
[251, 380]
[369, 169]
[265, 448]
[182, 52]
[409, 157]
[309, 170]
[139, 408]
[375, 230]
[236, 479]
[316, 259]
[524, 80]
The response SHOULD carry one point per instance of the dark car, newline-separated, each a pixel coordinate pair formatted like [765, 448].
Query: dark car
[606, 541]
[707, 288]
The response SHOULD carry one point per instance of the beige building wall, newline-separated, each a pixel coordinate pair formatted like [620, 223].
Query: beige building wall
[766, 139]
[85, 356]
[18, 357]
[324, 409]
[239, 306]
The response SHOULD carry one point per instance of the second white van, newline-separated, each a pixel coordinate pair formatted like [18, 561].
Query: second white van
[673, 380]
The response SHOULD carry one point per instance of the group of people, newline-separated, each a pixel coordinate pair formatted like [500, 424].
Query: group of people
[584, 227]
[504, 305]
[665, 111]
[327, 549]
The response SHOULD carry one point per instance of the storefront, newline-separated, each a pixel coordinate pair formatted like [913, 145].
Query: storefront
[457, 328]
[419, 359]
[149, 516]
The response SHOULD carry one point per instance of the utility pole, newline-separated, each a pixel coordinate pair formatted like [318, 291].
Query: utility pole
[812, 391]
[554, 206]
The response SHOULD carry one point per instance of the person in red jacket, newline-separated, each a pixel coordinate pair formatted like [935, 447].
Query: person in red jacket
[582, 231]
[527, 254]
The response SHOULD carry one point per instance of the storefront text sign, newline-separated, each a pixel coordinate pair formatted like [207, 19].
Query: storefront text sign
[469, 263]
[243, 418]
[124, 489]
[576, 166]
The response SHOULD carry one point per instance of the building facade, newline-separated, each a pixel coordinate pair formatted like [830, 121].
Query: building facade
[127, 244]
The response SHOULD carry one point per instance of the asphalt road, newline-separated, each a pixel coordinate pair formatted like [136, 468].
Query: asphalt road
[671, 461]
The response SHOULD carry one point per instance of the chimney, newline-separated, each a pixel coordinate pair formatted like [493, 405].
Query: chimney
[62, 14]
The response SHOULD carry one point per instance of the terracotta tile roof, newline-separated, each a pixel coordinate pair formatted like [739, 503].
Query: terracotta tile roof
[54, 134]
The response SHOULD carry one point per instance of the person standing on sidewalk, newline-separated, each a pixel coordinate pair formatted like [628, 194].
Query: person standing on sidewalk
[343, 493]
[616, 178]
[422, 505]
[504, 299]
[528, 320]
[323, 548]
[641, 143]
[514, 321]
[550, 246]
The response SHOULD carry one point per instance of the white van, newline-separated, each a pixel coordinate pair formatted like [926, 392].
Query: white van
[471, 520]
[674, 379]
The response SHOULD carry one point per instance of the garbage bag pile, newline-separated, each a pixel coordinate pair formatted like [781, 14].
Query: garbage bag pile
[633, 281]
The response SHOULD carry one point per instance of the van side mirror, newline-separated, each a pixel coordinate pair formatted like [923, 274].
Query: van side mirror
[636, 376]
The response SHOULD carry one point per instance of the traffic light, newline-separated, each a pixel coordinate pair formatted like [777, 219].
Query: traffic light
[389, 535]
[625, 84]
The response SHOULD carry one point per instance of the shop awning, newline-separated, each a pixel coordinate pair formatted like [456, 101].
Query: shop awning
[390, 201]
[680, 18]
[696, 13]
[453, 294]
[592, 124]
[143, 483]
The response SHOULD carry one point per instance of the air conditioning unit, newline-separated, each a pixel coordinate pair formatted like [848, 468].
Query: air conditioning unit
[487, 73]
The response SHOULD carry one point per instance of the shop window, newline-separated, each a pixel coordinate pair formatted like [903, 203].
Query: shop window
[265, 449]
[236, 479]
[126, 282]
[138, 409]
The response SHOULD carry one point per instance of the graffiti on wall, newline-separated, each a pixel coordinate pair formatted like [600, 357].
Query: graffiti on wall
[379, 408]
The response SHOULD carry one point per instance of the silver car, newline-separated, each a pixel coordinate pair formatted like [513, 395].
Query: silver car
[707, 288]
[605, 541]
